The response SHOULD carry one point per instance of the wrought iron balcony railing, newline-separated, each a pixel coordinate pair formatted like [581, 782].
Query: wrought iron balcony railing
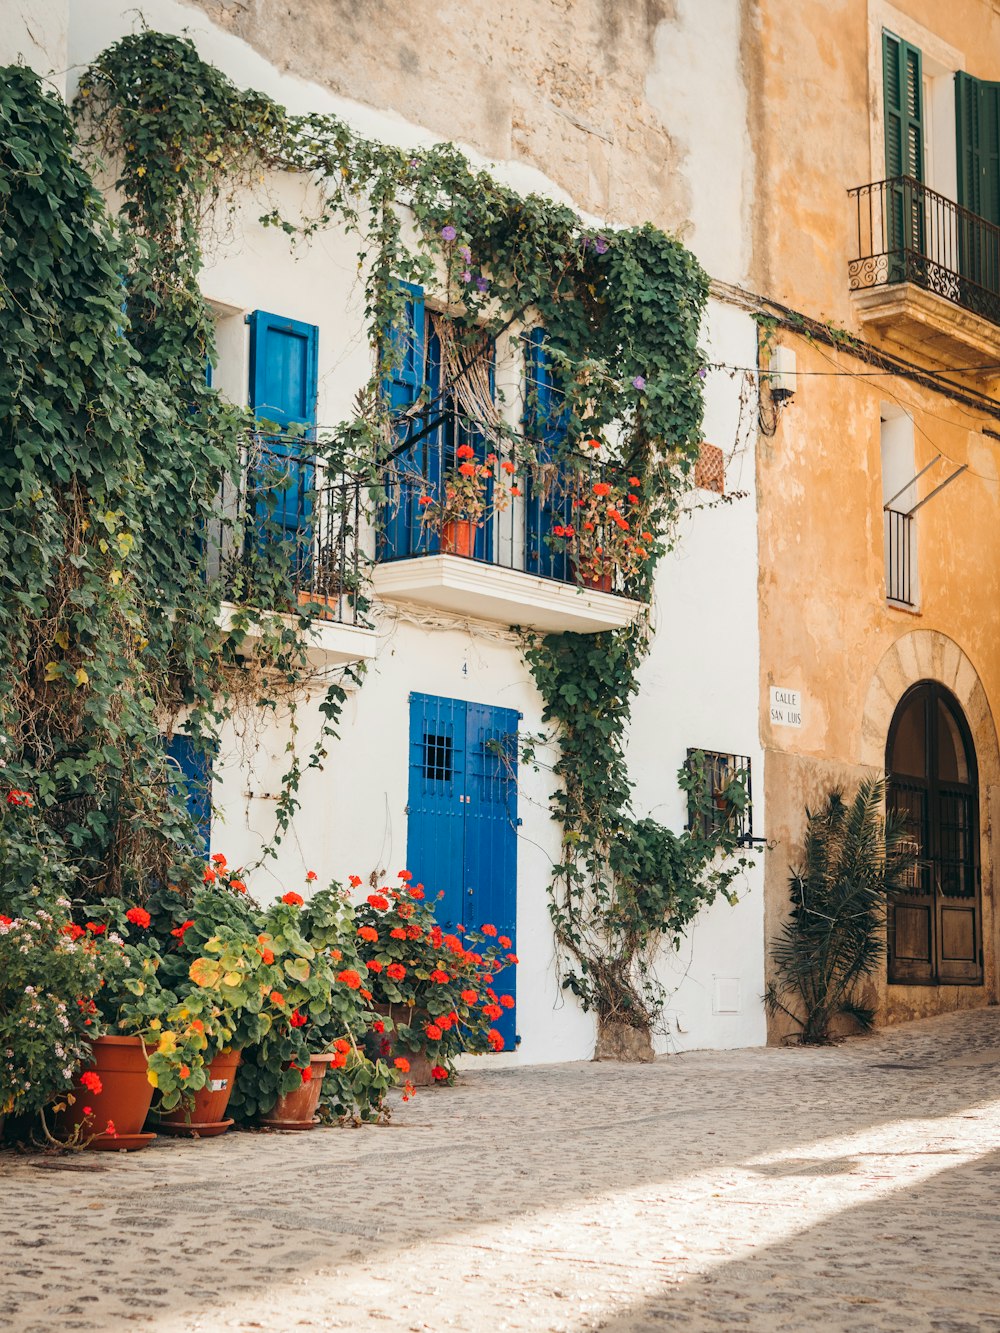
[286, 535]
[526, 513]
[905, 232]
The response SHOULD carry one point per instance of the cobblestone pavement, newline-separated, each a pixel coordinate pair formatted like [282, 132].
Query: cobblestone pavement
[849, 1188]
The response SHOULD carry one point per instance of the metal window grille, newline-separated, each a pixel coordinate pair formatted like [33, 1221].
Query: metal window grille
[716, 811]
[899, 557]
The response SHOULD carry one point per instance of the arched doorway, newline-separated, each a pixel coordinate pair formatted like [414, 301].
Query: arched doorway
[935, 927]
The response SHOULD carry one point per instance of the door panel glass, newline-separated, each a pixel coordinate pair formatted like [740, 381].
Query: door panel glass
[909, 749]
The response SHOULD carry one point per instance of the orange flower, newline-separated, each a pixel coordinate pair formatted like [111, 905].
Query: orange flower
[368, 933]
[397, 933]
[342, 1044]
[209, 876]
[355, 881]
[507, 1001]
[238, 885]
[469, 996]
[378, 1025]
[495, 1040]
[349, 978]
[377, 901]
[197, 1025]
[439, 1074]
[504, 942]
[219, 859]
[373, 965]
[292, 899]
[307, 1073]
[365, 994]
[184, 1072]
[402, 1064]
[405, 910]
[488, 929]
[266, 956]
[310, 876]
[405, 876]
[276, 997]
[433, 1032]
[396, 971]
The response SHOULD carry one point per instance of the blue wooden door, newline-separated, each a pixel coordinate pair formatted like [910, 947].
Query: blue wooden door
[283, 387]
[549, 502]
[462, 824]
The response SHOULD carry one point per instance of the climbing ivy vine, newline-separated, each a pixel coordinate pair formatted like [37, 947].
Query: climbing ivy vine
[119, 445]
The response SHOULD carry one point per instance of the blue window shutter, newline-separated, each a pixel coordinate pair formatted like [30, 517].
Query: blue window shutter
[402, 384]
[545, 422]
[194, 780]
[284, 370]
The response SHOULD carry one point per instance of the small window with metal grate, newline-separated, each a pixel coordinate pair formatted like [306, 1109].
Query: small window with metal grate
[437, 758]
[720, 794]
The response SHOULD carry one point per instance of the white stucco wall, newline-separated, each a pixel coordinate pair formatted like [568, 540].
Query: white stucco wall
[699, 685]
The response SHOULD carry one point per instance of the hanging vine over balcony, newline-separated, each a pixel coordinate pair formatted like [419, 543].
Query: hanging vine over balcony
[621, 312]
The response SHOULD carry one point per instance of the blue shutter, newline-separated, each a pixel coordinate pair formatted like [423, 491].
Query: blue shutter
[462, 818]
[545, 422]
[284, 366]
[491, 833]
[194, 781]
[401, 530]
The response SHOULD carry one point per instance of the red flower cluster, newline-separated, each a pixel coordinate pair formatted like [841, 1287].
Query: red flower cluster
[298, 1020]
[16, 797]
[179, 931]
[368, 933]
[349, 978]
[495, 1040]
[138, 916]
[377, 901]
[396, 971]
[442, 978]
[92, 1082]
[292, 899]
[439, 1074]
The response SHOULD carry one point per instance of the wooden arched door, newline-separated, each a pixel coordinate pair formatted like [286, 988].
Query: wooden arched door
[935, 925]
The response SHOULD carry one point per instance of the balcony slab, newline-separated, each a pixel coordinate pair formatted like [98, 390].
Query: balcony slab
[482, 591]
[328, 642]
[939, 331]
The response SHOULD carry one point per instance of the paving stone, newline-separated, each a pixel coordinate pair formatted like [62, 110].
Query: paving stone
[844, 1188]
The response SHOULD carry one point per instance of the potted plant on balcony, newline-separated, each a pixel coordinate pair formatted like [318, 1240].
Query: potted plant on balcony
[438, 992]
[605, 539]
[471, 490]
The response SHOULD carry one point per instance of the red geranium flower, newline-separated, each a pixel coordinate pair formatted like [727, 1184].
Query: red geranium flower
[402, 1064]
[307, 1073]
[219, 859]
[267, 956]
[492, 1011]
[397, 933]
[433, 1032]
[440, 1074]
[178, 931]
[310, 876]
[469, 996]
[378, 1025]
[365, 994]
[92, 1082]
[276, 997]
[72, 930]
[405, 876]
[368, 933]
[138, 916]
[416, 891]
[601, 488]
[355, 881]
[338, 1061]
[209, 876]
[442, 978]
[378, 902]
[373, 965]
[495, 1040]
[292, 899]
[507, 1001]
[349, 978]
[413, 932]
[298, 1020]
[504, 942]
[512, 958]
[238, 885]
[15, 797]
[342, 1045]
[95, 929]
[405, 910]
[488, 929]
[396, 971]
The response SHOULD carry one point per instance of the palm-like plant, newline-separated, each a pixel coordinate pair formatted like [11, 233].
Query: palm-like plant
[854, 860]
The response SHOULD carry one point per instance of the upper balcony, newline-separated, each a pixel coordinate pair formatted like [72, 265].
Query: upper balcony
[498, 551]
[287, 539]
[926, 273]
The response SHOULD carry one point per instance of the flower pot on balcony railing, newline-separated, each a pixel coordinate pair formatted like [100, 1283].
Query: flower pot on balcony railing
[606, 539]
[471, 490]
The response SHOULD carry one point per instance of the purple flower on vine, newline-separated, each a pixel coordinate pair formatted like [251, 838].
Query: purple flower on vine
[482, 284]
[466, 253]
[448, 232]
[639, 382]
[702, 372]
[600, 245]
[466, 275]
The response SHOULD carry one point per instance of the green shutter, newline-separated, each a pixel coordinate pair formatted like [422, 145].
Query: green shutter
[977, 121]
[903, 95]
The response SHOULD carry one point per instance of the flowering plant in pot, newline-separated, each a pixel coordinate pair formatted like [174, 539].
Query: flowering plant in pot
[471, 490]
[606, 537]
[44, 1032]
[439, 991]
[303, 1009]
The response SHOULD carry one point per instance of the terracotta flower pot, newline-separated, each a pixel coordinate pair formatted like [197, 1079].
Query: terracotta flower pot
[297, 1109]
[599, 582]
[420, 1063]
[206, 1117]
[123, 1101]
[458, 537]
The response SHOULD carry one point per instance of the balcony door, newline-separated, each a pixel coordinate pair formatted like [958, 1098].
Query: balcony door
[903, 98]
[977, 123]
[935, 925]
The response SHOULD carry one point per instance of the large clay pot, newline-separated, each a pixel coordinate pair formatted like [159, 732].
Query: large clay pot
[297, 1109]
[420, 1064]
[458, 537]
[124, 1099]
[206, 1117]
